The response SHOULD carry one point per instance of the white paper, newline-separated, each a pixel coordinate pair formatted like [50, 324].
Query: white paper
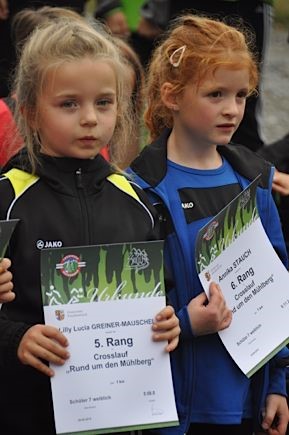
[113, 375]
[104, 298]
[254, 282]
[259, 299]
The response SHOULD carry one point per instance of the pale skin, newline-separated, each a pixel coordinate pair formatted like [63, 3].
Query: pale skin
[276, 415]
[4, 10]
[209, 316]
[6, 284]
[117, 23]
[281, 183]
[76, 119]
[204, 117]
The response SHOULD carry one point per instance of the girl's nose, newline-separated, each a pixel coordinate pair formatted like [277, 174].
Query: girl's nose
[88, 116]
[232, 107]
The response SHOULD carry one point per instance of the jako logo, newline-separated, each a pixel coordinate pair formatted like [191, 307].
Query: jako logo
[41, 244]
[187, 204]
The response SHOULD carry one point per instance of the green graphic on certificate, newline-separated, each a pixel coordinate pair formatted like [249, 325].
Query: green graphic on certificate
[220, 232]
[104, 300]
[234, 251]
[102, 273]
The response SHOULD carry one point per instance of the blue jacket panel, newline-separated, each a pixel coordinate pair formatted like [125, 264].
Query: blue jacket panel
[191, 365]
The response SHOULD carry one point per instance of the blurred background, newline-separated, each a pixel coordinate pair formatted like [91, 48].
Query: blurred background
[276, 76]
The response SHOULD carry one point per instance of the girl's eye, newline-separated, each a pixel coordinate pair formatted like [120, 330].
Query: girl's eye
[104, 102]
[242, 94]
[215, 94]
[69, 104]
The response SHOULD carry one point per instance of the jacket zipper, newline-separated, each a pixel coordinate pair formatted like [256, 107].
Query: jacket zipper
[83, 206]
[79, 184]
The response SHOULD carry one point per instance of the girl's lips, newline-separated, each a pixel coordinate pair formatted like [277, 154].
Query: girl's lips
[87, 138]
[87, 141]
[226, 126]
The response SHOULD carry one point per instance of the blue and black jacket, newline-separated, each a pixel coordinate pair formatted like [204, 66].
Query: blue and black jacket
[191, 361]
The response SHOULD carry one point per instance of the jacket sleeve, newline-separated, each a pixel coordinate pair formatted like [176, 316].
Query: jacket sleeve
[277, 153]
[187, 332]
[278, 372]
[155, 233]
[11, 334]
[273, 228]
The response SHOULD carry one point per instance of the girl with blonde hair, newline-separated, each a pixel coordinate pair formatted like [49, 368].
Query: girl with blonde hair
[71, 102]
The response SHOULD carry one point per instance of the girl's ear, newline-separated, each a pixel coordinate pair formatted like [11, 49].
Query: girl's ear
[169, 97]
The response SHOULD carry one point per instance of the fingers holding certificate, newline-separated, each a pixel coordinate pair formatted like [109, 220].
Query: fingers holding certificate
[166, 328]
[6, 284]
[234, 251]
[42, 342]
[109, 303]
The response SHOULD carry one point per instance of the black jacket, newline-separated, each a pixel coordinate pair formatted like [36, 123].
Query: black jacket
[69, 202]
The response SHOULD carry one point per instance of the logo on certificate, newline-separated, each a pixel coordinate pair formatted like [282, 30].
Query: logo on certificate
[138, 259]
[209, 234]
[70, 265]
[59, 314]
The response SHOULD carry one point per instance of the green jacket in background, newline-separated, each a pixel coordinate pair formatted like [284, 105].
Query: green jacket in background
[130, 8]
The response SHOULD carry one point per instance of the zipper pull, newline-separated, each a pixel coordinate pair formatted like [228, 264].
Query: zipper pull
[79, 179]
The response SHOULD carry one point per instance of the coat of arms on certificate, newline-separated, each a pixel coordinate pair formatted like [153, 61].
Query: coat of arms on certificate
[104, 299]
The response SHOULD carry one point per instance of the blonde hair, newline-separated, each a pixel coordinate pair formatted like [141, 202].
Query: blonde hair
[136, 95]
[193, 47]
[52, 45]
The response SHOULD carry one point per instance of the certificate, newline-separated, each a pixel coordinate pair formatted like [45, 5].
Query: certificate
[234, 251]
[104, 299]
[6, 231]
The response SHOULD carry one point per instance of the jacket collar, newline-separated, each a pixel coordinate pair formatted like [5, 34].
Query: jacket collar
[50, 167]
[151, 164]
[64, 174]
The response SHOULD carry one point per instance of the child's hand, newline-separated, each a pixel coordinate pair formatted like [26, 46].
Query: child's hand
[281, 183]
[210, 316]
[275, 418]
[166, 328]
[6, 284]
[43, 342]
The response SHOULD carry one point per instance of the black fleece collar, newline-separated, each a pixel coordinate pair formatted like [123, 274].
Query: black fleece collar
[52, 167]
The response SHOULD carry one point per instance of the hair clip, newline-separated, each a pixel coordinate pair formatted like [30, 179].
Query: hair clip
[178, 55]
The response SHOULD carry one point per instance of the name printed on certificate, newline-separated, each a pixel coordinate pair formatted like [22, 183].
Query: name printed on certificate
[234, 251]
[104, 299]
